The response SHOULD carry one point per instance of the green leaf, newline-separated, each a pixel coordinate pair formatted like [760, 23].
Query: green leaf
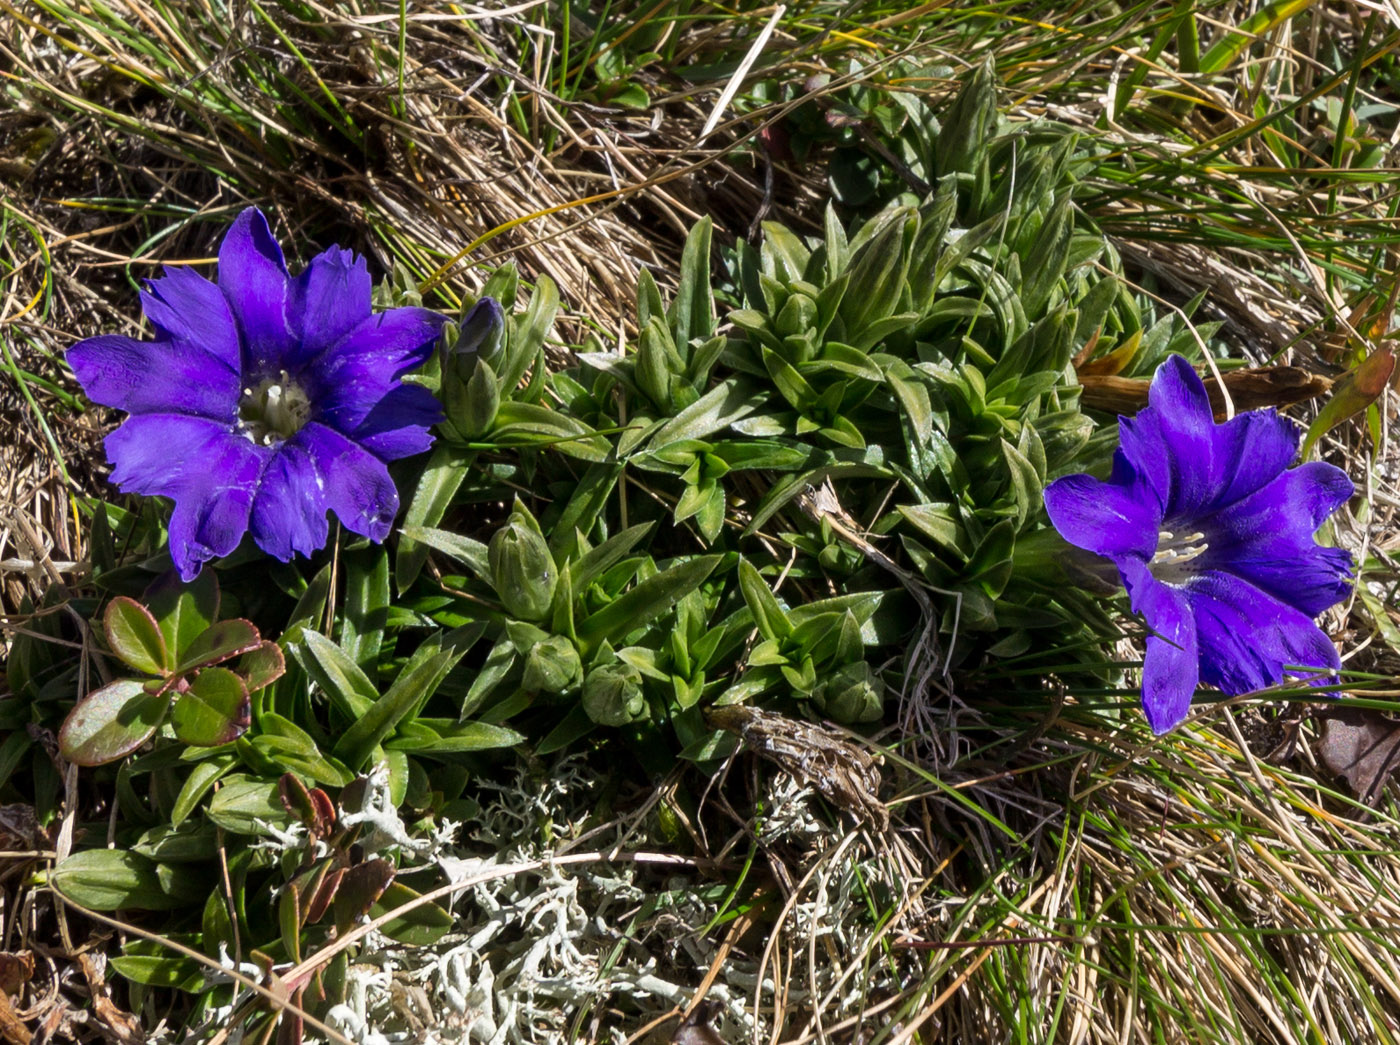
[530, 425]
[183, 610]
[421, 926]
[262, 666]
[366, 604]
[940, 521]
[247, 805]
[417, 681]
[114, 879]
[470, 553]
[170, 973]
[528, 334]
[721, 406]
[291, 747]
[769, 616]
[594, 563]
[219, 642]
[111, 722]
[878, 271]
[214, 710]
[339, 677]
[572, 727]
[431, 498]
[645, 601]
[694, 309]
[200, 780]
[135, 637]
[453, 737]
[1025, 484]
[990, 566]
[790, 384]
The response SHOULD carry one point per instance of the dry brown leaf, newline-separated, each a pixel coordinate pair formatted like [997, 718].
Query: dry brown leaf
[1362, 747]
[16, 969]
[695, 1029]
[1249, 389]
[112, 1023]
[839, 770]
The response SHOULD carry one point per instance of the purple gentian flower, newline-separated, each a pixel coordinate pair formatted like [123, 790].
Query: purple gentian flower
[1212, 534]
[265, 401]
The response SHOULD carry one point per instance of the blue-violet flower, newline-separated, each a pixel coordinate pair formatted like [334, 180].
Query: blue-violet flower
[266, 400]
[1212, 534]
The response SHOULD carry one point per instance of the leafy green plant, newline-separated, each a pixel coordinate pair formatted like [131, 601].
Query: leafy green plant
[177, 641]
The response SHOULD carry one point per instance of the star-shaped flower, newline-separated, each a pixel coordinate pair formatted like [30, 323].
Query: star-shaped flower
[265, 401]
[1212, 534]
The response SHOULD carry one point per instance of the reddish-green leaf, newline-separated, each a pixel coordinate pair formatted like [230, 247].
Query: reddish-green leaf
[214, 710]
[220, 642]
[135, 636]
[362, 885]
[262, 665]
[111, 722]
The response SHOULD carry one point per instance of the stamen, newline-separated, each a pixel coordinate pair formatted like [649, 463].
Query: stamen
[273, 410]
[1173, 553]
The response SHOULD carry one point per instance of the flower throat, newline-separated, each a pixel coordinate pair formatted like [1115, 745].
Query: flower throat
[273, 410]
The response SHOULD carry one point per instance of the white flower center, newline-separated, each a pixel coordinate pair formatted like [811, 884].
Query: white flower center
[1174, 552]
[272, 410]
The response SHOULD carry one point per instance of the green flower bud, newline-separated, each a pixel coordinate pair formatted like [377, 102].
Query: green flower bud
[853, 694]
[470, 390]
[551, 666]
[522, 568]
[612, 695]
[797, 316]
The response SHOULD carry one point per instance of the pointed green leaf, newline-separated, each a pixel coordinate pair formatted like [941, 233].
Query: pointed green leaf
[183, 610]
[417, 682]
[645, 602]
[339, 677]
[436, 487]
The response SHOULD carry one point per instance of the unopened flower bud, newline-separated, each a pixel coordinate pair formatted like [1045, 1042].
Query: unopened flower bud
[522, 568]
[470, 390]
[853, 694]
[612, 695]
[551, 666]
[797, 316]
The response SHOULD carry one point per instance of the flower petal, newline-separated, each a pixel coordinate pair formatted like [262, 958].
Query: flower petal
[141, 457]
[253, 277]
[149, 377]
[289, 514]
[1247, 637]
[1171, 667]
[348, 380]
[213, 503]
[398, 425]
[1104, 518]
[1267, 538]
[332, 298]
[186, 307]
[357, 484]
[1250, 451]
[1192, 464]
